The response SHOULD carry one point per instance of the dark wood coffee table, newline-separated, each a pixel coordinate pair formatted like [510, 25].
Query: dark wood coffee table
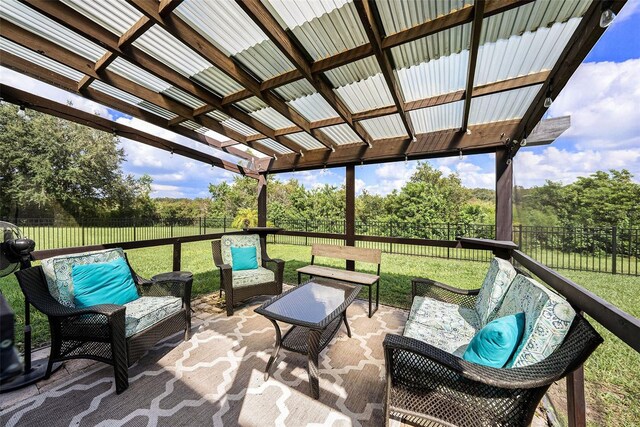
[315, 309]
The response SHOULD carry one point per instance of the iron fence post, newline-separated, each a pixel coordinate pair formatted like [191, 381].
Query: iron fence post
[224, 224]
[614, 248]
[520, 236]
[135, 238]
[390, 235]
[448, 238]
[200, 226]
[82, 230]
[306, 229]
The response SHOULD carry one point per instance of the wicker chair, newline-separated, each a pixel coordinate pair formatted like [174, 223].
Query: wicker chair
[236, 294]
[98, 332]
[426, 384]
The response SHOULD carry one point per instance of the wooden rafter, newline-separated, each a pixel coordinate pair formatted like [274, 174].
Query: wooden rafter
[23, 66]
[270, 26]
[366, 11]
[178, 28]
[474, 45]
[38, 103]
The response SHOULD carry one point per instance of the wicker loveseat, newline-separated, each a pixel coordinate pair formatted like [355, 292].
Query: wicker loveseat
[427, 378]
[115, 334]
[238, 285]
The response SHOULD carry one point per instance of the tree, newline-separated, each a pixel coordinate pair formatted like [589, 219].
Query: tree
[245, 217]
[63, 168]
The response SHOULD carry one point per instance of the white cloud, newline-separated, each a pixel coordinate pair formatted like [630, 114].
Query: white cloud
[630, 8]
[391, 176]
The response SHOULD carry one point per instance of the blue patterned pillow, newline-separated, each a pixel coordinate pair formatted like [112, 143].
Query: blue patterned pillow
[493, 289]
[548, 318]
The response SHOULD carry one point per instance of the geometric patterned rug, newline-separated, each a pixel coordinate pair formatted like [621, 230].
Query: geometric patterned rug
[216, 378]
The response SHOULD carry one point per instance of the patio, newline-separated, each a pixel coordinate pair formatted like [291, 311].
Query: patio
[288, 96]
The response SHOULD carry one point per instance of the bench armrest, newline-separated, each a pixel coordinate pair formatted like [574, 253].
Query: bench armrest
[443, 292]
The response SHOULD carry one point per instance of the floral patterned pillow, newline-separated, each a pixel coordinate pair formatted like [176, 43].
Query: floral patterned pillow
[493, 289]
[239, 241]
[57, 271]
[548, 317]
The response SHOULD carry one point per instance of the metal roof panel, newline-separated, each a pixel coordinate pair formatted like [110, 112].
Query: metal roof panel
[306, 141]
[116, 16]
[341, 134]
[385, 127]
[440, 117]
[366, 94]
[43, 61]
[502, 106]
[398, 15]
[313, 107]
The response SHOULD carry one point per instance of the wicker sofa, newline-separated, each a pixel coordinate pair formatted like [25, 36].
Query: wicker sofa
[115, 334]
[427, 378]
[239, 285]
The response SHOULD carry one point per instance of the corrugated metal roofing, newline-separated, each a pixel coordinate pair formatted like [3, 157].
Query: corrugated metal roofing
[384, 127]
[443, 43]
[398, 15]
[366, 94]
[138, 75]
[43, 61]
[194, 126]
[131, 99]
[183, 97]
[502, 106]
[530, 17]
[443, 75]
[251, 104]
[115, 15]
[217, 115]
[305, 140]
[272, 118]
[295, 90]
[353, 72]
[313, 107]
[341, 134]
[216, 81]
[275, 146]
[27, 18]
[237, 126]
[323, 28]
[521, 55]
[220, 21]
[440, 117]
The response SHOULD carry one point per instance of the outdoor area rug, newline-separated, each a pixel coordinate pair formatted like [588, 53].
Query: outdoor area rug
[217, 378]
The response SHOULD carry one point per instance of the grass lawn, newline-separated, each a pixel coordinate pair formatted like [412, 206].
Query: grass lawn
[612, 373]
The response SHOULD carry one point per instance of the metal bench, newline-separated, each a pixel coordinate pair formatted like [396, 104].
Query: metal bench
[348, 253]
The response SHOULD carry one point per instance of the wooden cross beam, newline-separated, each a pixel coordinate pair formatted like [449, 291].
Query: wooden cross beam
[38, 103]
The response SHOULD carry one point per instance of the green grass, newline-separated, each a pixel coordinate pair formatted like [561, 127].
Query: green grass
[613, 383]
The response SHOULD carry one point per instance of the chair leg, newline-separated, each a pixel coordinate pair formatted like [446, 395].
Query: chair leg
[370, 313]
[299, 278]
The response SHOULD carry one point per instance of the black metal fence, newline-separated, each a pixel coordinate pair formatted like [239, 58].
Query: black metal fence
[600, 249]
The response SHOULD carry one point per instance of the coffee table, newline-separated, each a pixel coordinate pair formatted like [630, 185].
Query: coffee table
[315, 310]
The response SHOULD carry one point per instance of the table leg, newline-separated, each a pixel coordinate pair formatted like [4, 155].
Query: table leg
[274, 355]
[344, 317]
[312, 361]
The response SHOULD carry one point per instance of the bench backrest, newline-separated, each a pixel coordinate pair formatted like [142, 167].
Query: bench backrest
[349, 253]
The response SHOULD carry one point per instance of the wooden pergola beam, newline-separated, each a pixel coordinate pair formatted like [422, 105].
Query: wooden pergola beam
[367, 12]
[474, 45]
[38, 103]
[270, 26]
[25, 67]
[178, 28]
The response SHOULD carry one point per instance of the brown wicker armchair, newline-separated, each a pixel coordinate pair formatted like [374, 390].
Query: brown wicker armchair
[425, 383]
[98, 332]
[271, 284]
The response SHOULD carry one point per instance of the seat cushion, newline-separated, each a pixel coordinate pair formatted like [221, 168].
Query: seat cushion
[494, 287]
[147, 311]
[239, 241]
[548, 317]
[58, 271]
[446, 326]
[244, 278]
[103, 283]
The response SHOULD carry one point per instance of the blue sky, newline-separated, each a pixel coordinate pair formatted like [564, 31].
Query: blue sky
[603, 99]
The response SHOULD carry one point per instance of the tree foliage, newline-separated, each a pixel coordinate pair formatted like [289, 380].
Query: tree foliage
[58, 167]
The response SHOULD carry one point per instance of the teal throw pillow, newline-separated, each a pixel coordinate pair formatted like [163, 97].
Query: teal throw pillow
[244, 258]
[494, 344]
[103, 283]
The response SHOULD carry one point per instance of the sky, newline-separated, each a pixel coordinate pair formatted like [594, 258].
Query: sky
[602, 98]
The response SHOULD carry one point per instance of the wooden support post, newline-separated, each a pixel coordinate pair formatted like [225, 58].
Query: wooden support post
[350, 210]
[177, 256]
[576, 406]
[504, 190]
[262, 200]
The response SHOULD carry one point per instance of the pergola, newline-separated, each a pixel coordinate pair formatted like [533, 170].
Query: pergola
[311, 84]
